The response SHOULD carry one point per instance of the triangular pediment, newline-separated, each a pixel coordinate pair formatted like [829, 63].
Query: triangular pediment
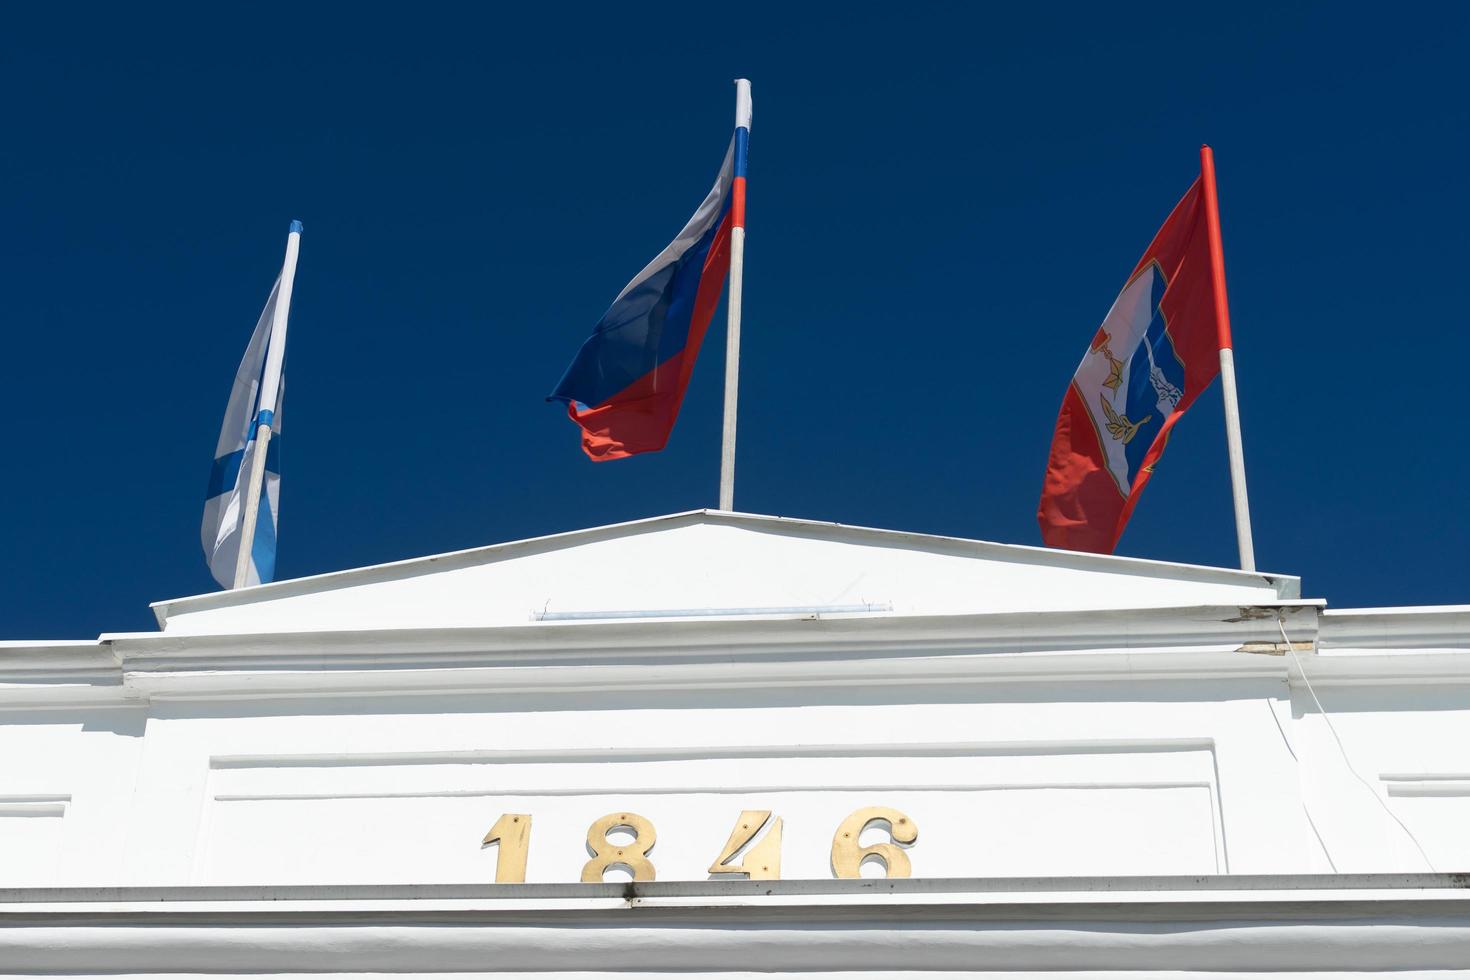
[714, 565]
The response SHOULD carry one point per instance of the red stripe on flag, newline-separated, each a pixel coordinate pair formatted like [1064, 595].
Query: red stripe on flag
[1080, 501]
[737, 203]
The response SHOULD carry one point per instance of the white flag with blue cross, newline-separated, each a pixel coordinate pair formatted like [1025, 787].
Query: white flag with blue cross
[255, 401]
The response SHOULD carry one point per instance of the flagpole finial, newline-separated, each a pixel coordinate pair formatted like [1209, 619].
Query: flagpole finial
[296, 227]
[742, 102]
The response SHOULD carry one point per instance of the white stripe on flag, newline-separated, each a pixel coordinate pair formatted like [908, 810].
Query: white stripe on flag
[705, 215]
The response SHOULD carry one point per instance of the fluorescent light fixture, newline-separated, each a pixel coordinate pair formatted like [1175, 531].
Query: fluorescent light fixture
[861, 607]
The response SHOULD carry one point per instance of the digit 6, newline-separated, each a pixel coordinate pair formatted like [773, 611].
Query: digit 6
[847, 856]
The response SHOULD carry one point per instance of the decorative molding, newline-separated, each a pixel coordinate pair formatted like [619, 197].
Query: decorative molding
[707, 752]
[714, 789]
[1427, 784]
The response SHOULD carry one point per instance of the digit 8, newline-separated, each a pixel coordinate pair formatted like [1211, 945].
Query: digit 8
[606, 854]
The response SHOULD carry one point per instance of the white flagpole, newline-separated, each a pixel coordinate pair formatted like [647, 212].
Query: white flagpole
[737, 276]
[1244, 542]
[269, 386]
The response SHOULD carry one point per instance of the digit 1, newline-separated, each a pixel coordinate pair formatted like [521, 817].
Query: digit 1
[513, 833]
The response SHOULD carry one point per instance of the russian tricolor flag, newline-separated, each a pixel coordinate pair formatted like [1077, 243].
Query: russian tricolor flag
[625, 385]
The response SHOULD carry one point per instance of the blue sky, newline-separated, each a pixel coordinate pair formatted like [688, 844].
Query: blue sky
[944, 200]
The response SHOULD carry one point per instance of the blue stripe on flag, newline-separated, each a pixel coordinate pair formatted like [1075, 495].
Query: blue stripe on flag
[226, 473]
[644, 328]
[688, 277]
[742, 150]
[263, 549]
[1155, 383]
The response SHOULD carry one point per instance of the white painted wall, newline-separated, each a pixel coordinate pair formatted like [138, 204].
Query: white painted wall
[1157, 777]
[67, 781]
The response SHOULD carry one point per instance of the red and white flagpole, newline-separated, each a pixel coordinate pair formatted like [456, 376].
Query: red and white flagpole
[737, 277]
[1227, 366]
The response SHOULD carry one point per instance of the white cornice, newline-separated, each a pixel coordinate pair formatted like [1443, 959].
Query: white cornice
[1351, 887]
[1254, 924]
[60, 673]
[777, 651]
[1421, 628]
[1412, 646]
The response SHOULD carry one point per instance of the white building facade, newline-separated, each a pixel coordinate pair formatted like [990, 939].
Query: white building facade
[1026, 760]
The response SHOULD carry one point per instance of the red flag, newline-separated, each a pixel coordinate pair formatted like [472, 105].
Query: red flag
[1157, 349]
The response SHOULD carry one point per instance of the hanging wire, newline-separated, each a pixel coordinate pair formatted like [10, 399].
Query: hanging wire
[1302, 798]
[1280, 625]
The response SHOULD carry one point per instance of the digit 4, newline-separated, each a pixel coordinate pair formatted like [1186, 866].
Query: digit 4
[763, 861]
